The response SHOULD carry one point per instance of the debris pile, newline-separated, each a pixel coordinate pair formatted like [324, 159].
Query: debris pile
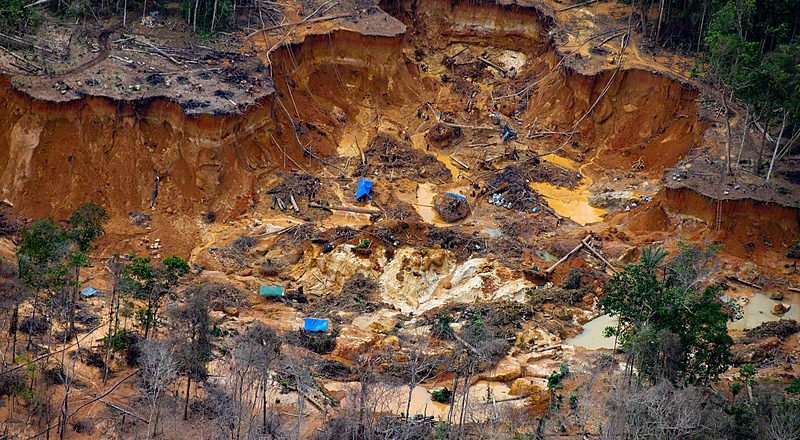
[451, 208]
[404, 159]
[359, 295]
[443, 134]
[236, 250]
[138, 218]
[513, 191]
[294, 191]
[402, 211]
[463, 245]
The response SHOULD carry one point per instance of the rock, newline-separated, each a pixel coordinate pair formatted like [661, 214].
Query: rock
[629, 108]
[381, 321]
[339, 114]
[391, 342]
[776, 295]
[525, 386]
[612, 200]
[231, 311]
[780, 308]
[542, 369]
[755, 352]
[506, 370]
[352, 341]
[794, 251]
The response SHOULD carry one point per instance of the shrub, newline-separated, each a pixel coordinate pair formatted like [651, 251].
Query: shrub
[442, 396]
[318, 342]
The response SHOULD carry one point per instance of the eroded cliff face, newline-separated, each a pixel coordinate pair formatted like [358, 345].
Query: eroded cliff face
[55, 156]
[749, 228]
[333, 91]
[640, 115]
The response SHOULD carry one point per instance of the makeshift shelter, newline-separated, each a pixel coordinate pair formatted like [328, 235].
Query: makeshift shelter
[271, 291]
[315, 325]
[89, 292]
[364, 188]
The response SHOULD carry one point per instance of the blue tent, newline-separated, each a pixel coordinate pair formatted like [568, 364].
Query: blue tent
[315, 325]
[364, 188]
[275, 291]
[89, 292]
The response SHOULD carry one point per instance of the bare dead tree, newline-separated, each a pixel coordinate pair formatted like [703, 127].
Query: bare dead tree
[158, 370]
[253, 357]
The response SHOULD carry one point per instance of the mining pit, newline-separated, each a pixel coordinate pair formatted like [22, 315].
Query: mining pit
[414, 96]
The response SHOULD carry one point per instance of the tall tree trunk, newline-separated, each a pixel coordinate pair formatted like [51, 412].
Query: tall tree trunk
[264, 409]
[744, 136]
[761, 150]
[12, 330]
[777, 146]
[144, 10]
[660, 18]
[186, 404]
[727, 135]
[702, 23]
[214, 17]
[110, 332]
[73, 301]
[194, 21]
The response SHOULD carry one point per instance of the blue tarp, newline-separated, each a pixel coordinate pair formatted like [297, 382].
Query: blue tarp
[89, 292]
[458, 196]
[270, 290]
[315, 325]
[508, 133]
[364, 188]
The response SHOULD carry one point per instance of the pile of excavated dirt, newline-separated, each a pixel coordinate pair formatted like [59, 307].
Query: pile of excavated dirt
[526, 228]
[441, 135]
[451, 208]
[398, 157]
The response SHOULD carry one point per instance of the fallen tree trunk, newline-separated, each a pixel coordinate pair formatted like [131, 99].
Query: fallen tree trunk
[564, 258]
[344, 208]
[598, 255]
[741, 281]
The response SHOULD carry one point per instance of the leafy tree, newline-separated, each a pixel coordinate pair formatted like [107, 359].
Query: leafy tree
[670, 323]
[153, 282]
[86, 225]
[14, 16]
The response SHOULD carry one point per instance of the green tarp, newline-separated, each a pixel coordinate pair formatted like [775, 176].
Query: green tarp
[271, 290]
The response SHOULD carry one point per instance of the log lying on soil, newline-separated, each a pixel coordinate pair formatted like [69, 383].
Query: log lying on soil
[564, 258]
[598, 254]
[741, 281]
[345, 208]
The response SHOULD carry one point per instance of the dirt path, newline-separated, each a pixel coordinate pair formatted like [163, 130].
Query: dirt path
[105, 50]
